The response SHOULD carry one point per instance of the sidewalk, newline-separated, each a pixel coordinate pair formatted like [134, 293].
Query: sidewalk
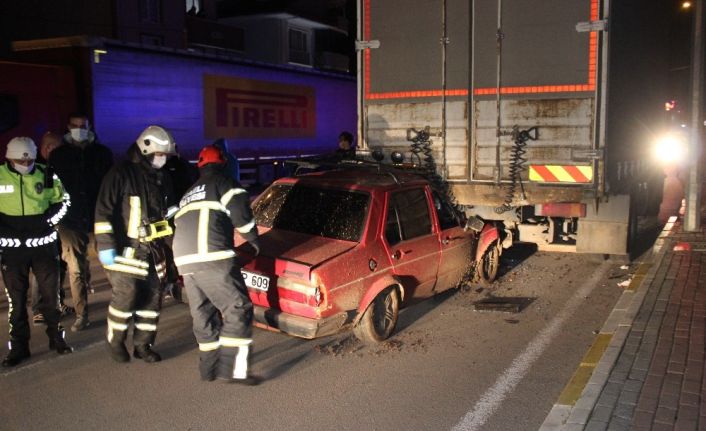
[646, 369]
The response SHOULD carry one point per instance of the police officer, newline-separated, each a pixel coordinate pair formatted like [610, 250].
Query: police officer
[209, 213]
[32, 201]
[130, 229]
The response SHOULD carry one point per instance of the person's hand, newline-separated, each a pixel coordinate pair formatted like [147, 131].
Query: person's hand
[107, 257]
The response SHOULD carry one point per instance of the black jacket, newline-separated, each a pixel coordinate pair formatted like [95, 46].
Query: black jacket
[133, 195]
[220, 201]
[81, 170]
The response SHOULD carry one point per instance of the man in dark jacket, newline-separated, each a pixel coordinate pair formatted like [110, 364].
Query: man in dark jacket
[209, 214]
[81, 163]
[130, 228]
[31, 205]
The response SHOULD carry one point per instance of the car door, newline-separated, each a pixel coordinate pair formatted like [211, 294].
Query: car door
[456, 244]
[411, 241]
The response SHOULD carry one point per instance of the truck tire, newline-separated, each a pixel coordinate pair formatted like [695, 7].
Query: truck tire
[379, 319]
[490, 264]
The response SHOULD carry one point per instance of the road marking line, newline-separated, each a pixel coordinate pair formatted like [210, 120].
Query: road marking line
[572, 391]
[491, 400]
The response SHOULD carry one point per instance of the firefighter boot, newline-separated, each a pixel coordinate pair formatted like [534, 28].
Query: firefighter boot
[208, 361]
[18, 353]
[57, 341]
[233, 365]
[118, 352]
[146, 353]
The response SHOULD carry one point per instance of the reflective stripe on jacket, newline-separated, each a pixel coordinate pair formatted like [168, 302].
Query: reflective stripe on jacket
[30, 207]
[209, 213]
[132, 196]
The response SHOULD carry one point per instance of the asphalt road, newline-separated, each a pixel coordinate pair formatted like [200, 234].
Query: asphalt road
[447, 366]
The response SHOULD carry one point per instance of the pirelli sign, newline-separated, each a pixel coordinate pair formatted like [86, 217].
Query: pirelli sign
[249, 108]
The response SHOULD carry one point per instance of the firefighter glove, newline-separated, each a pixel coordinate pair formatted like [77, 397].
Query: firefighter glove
[107, 257]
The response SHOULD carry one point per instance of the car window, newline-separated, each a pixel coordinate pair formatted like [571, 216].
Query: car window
[446, 214]
[407, 216]
[331, 213]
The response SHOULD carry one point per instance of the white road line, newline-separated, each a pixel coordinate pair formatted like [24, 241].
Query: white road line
[491, 400]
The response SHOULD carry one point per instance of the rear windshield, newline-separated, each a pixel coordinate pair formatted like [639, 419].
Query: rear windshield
[338, 214]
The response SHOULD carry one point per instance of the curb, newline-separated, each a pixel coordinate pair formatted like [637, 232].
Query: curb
[576, 402]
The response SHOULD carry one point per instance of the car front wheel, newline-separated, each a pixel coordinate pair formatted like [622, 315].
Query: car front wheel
[489, 264]
[379, 320]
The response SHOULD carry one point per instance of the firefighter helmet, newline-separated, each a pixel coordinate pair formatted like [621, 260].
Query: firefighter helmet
[210, 154]
[156, 139]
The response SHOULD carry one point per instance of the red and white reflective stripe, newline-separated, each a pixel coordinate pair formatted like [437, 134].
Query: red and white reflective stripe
[561, 174]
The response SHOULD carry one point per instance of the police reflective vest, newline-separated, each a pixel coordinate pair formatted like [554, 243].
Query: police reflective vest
[30, 207]
[208, 214]
[131, 210]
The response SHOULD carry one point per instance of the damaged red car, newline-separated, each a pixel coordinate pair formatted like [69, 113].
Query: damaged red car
[349, 247]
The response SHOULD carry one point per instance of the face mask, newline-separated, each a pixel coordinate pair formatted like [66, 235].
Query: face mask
[79, 135]
[159, 161]
[22, 169]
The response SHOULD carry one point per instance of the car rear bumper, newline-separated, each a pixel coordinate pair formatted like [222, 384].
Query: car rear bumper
[299, 326]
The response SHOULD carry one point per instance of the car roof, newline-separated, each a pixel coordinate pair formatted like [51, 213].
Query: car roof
[358, 177]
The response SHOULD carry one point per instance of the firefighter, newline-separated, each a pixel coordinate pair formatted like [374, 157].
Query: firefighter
[32, 202]
[130, 230]
[209, 214]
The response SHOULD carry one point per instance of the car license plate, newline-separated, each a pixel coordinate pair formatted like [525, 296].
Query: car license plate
[256, 281]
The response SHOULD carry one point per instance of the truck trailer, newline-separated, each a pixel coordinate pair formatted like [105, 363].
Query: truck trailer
[268, 112]
[540, 112]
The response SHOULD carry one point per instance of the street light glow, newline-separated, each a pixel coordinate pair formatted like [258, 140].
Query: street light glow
[686, 5]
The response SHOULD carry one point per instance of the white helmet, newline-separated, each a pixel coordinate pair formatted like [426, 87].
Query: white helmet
[156, 139]
[21, 148]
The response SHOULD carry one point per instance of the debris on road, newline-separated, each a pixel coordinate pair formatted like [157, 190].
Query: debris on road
[625, 283]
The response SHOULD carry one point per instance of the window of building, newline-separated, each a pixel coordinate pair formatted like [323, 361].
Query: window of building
[299, 47]
[151, 11]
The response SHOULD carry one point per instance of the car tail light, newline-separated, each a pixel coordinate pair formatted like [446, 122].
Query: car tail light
[298, 291]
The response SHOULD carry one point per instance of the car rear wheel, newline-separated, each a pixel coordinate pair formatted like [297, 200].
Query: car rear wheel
[379, 320]
[489, 264]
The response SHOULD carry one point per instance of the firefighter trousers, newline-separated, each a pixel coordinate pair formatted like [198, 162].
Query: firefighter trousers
[43, 261]
[134, 299]
[222, 316]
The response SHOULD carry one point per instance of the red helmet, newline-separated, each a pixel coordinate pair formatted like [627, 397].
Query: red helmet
[210, 154]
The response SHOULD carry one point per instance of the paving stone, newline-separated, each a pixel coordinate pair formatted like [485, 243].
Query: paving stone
[624, 411]
[685, 425]
[642, 419]
[688, 412]
[594, 425]
[665, 415]
[618, 424]
[632, 385]
[601, 414]
[628, 397]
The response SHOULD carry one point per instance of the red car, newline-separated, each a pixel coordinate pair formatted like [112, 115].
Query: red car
[351, 246]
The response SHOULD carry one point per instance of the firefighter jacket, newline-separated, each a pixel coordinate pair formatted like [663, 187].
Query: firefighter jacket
[131, 211]
[31, 205]
[209, 212]
[81, 169]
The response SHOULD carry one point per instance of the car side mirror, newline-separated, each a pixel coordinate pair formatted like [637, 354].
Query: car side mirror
[475, 224]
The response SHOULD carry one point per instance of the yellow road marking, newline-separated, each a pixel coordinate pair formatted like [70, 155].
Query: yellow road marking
[572, 390]
[639, 276]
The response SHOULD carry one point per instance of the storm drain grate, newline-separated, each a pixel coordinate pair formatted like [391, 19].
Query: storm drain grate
[513, 304]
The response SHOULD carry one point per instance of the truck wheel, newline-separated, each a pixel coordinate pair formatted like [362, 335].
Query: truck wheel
[380, 317]
[489, 264]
